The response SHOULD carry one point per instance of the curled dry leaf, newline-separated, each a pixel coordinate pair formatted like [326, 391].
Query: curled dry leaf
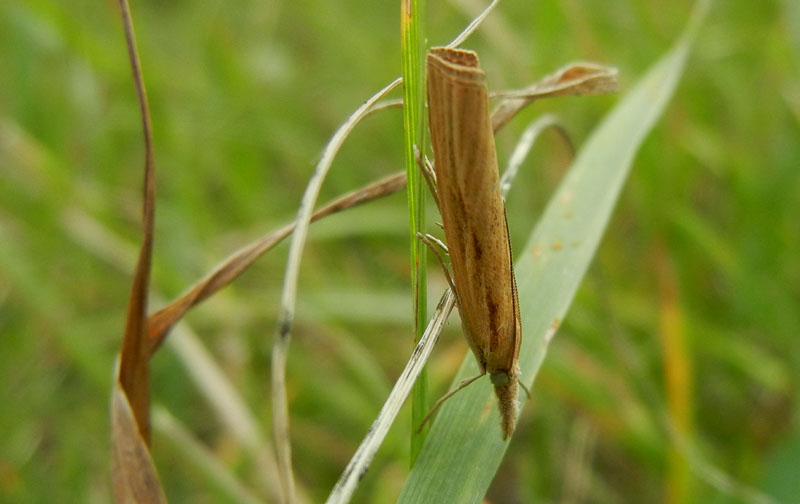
[572, 79]
[134, 476]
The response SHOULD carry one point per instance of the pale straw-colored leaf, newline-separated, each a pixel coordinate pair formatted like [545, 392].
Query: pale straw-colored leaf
[359, 464]
[283, 329]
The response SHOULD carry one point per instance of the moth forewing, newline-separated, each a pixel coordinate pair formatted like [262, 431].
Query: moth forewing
[474, 219]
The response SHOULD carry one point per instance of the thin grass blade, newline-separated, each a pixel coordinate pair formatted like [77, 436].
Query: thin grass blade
[413, 48]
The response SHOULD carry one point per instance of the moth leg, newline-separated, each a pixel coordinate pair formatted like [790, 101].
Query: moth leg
[447, 396]
[432, 242]
[439, 243]
[525, 389]
[426, 168]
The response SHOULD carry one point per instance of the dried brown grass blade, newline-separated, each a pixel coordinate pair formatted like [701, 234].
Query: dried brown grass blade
[134, 372]
[572, 79]
[133, 474]
[233, 266]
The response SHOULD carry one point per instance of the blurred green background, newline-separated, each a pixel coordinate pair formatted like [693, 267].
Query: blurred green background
[673, 379]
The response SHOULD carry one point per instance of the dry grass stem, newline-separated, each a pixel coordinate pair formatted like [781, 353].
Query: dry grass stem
[473, 25]
[358, 465]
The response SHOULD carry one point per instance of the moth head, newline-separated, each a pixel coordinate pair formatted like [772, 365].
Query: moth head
[500, 379]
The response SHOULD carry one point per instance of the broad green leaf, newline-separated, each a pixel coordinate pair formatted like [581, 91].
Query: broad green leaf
[464, 448]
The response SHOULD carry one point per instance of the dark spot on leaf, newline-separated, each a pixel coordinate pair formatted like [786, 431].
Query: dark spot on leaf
[363, 473]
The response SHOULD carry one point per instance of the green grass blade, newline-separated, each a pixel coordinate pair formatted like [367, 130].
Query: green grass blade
[464, 448]
[413, 48]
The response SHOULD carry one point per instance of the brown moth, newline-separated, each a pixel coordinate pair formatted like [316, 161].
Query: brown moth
[474, 219]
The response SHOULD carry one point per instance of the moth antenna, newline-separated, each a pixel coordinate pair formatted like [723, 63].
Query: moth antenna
[525, 389]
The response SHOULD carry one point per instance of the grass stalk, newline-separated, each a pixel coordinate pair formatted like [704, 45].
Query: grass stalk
[413, 50]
